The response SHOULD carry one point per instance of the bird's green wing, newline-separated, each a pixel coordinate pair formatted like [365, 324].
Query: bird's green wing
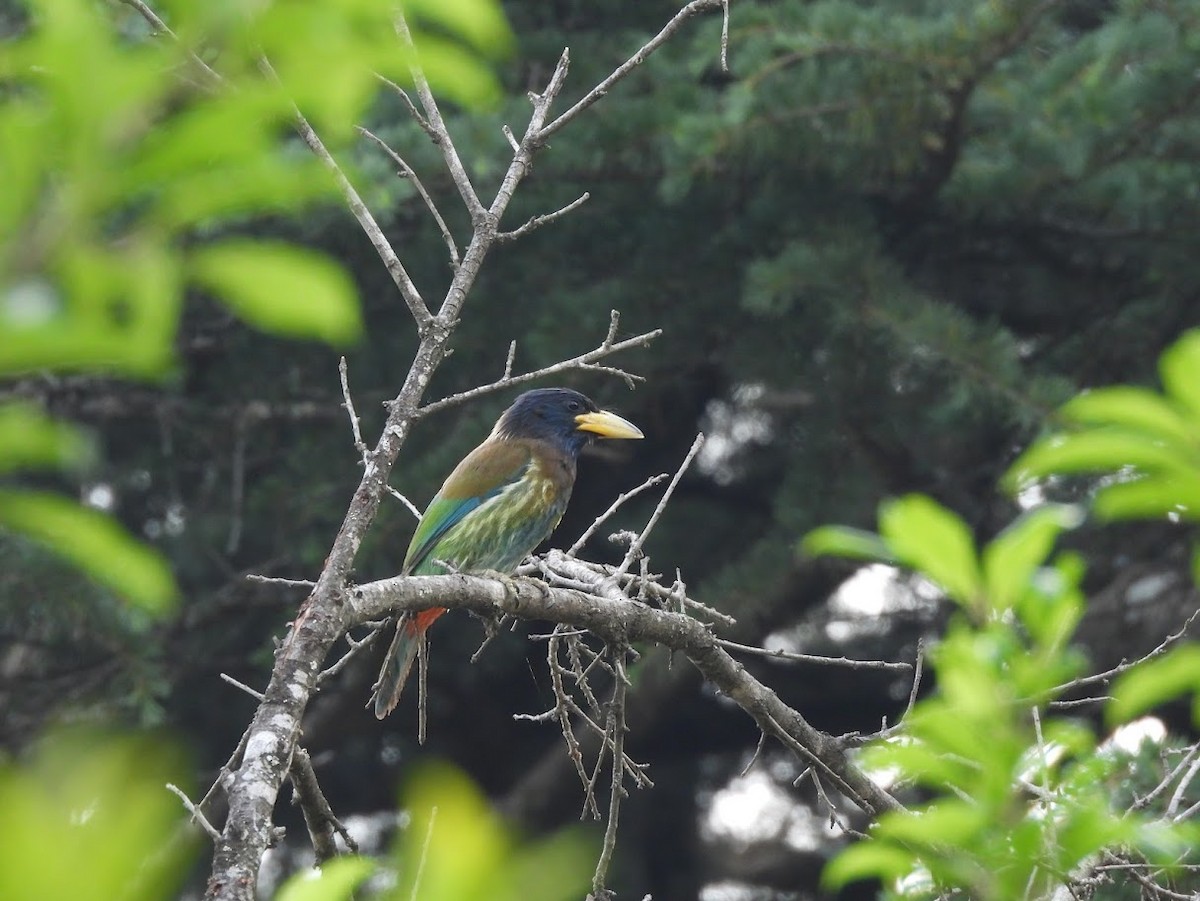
[482, 475]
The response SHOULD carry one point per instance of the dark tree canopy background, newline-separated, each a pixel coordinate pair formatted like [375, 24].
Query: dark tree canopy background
[882, 249]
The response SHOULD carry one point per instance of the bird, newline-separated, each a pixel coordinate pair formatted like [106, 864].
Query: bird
[496, 506]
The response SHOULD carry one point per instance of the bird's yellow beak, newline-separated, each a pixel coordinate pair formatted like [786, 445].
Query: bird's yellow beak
[607, 425]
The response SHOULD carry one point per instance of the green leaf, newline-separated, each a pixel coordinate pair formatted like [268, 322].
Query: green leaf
[1155, 682]
[868, 860]
[1179, 368]
[281, 288]
[94, 542]
[843, 541]
[1013, 556]
[85, 815]
[1135, 409]
[29, 439]
[935, 542]
[947, 820]
[1151, 496]
[1092, 451]
[336, 880]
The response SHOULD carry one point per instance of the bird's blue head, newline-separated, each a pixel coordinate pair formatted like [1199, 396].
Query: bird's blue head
[562, 417]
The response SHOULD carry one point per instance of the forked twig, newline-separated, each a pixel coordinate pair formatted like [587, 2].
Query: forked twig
[407, 172]
[615, 506]
[635, 547]
[583, 361]
[194, 809]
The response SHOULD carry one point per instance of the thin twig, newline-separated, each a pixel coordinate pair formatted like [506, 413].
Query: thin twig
[512, 139]
[1192, 753]
[226, 770]
[441, 135]
[422, 684]
[407, 171]
[762, 742]
[194, 809]
[616, 727]
[1182, 787]
[433, 811]
[391, 262]
[814, 658]
[616, 505]
[696, 6]
[356, 645]
[412, 508]
[635, 548]
[562, 705]
[348, 403]
[276, 580]
[319, 818]
[725, 36]
[537, 222]
[161, 27]
[510, 359]
[257, 695]
[580, 362]
[412, 107]
[1124, 665]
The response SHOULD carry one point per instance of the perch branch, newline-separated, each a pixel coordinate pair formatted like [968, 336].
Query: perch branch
[607, 613]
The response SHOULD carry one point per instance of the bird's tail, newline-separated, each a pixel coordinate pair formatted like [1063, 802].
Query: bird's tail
[398, 662]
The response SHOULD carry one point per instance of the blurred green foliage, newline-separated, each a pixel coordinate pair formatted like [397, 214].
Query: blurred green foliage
[1019, 796]
[455, 848]
[127, 158]
[1022, 797]
[86, 815]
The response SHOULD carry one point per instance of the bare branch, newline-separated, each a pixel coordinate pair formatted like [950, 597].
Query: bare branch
[538, 221]
[512, 140]
[1185, 763]
[508, 362]
[407, 171]
[412, 107]
[412, 508]
[356, 645]
[693, 8]
[1108, 675]
[319, 817]
[194, 810]
[275, 580]
[814, 658]
[635, 547]
[161, 27]
[724, 35]
[583, 361]
[607, 613]
[257, 695]
[616, 505]
[348, 403]
[366, 221]
[616, 728]
[437, 128]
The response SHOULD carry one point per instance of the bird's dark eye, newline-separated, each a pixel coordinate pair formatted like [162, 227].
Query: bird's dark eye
[573, 406]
